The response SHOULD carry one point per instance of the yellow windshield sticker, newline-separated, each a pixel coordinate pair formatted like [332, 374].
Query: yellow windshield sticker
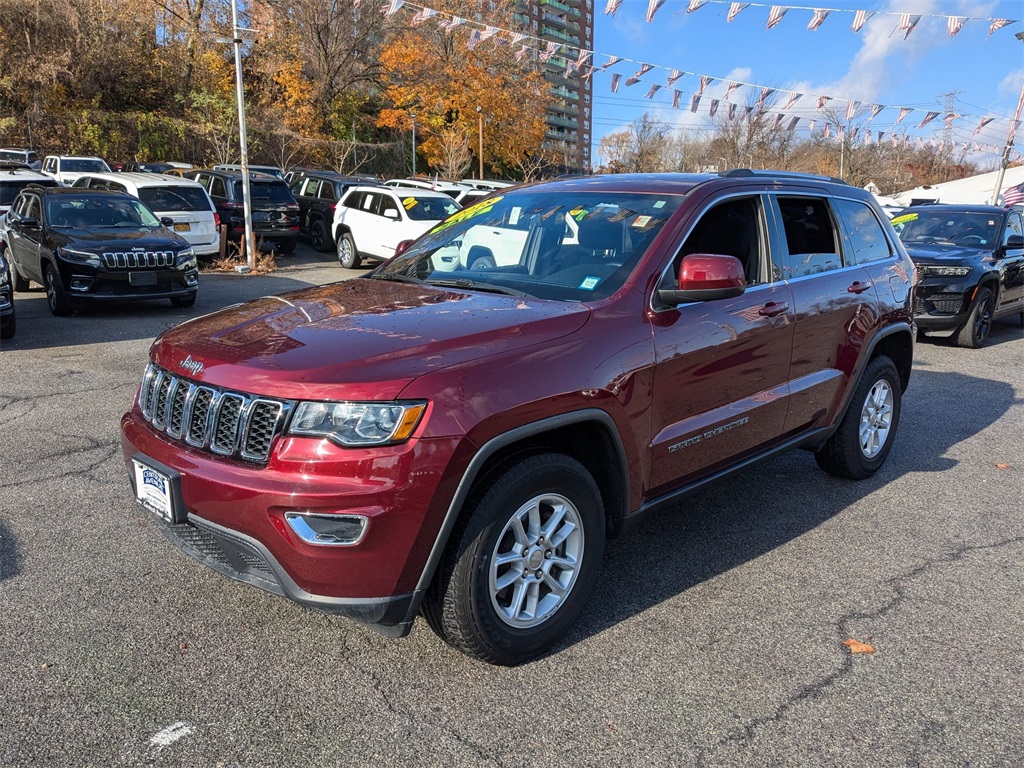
[410, 203]
[484, 206]
[904, 218]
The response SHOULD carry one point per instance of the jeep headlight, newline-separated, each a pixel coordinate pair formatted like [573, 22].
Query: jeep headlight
[357, 424]
[186, 259]
[82, 257]
[933, 271]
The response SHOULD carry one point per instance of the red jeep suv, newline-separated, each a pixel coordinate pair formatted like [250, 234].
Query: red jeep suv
[459, 441]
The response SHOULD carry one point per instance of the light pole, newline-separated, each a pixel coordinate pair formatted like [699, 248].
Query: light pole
[1005, 159]
[480, 120]
[413, 118]
[243, 142]
[750, 160]
[725, 164]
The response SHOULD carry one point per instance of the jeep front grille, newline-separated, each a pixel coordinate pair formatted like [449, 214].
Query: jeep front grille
[138, 259]
[212, 419]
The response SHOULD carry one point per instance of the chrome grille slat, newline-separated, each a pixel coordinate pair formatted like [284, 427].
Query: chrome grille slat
[226, 423]
[138, 259]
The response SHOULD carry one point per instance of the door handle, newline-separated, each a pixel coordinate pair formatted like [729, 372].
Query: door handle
[773, 309]
[858, 287]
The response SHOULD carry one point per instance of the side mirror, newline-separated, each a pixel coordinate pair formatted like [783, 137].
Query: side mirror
[402, 246]
[28, 222]
[706, 277]
[1014, 242]
[167, 221]
[392, 214]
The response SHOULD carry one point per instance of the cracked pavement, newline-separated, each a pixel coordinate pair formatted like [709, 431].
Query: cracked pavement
[714, 637]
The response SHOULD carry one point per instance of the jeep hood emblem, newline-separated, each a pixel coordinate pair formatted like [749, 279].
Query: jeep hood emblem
[192, 366]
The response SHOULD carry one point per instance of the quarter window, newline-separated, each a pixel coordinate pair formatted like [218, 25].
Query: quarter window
[1014, 226]
[866, 239]
[810, 237]
[217, 188]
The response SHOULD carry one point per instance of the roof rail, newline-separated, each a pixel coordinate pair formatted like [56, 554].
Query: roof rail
[747, 172]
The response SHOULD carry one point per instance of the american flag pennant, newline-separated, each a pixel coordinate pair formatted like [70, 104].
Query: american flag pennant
[954, 24]
[904, 111]
[875, 109]
[728, 91]
[928, 118]
[474, 39]
[860, 18]
[881, 134]
[652, 8]
[694, 103]
[714, 108]
[778, 120]
[522, 52]
[853, 134]
[615, 81]
[588, 74]
[998, 24]
[457, 21]
[732, 111]
[644, 69]
[734, 10]
[810, 126]
[775, 15]
[581, 58]
[908, 22]
[676, 74]
[867, 138]
[851, 108]
[549, 51]
[694, 5]
[488, 33]
[765, 93]
[653, 90]
[984, 121]
[823, 100]
[392, 8]
[950, 117]
[705, 81]
[920, 143]
[894, 139]
[827, 130]
[518, 37]
[632, 81]
[820, 14]
[423, 15]
[611, 7]
[612, 61]
[747, 112]
[792, 124]
[792, 100]
[676, 95]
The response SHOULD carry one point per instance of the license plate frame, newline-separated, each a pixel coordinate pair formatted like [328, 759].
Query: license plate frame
[158, 489]
[142, 278]
[182, 226]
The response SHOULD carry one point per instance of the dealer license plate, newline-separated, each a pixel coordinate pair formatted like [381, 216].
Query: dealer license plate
[183, 227]
[153, 491]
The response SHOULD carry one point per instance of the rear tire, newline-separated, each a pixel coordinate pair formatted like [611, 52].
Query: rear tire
[7, 332]
[861, 444]
[348, 256]
[286, 246]
[318, 236]
[56, 297]
[979, 323]
[519, 573]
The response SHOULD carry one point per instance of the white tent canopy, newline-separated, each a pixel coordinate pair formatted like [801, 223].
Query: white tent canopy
[974, 190]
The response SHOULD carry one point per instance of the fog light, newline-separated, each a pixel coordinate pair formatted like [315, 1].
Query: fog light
[327, 530]
[192, 279]
[81, 283]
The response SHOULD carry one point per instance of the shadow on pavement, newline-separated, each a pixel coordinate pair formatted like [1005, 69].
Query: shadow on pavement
[9, 563]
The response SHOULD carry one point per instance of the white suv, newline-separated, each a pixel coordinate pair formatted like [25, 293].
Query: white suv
[13, 180]
[453, 189]
[183, 200]
[66, 168]
[370, 222]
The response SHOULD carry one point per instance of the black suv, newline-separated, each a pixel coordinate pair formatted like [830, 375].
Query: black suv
[275, 213]
[7, 320]
[90, 245]
[318, 194]
[970, 259]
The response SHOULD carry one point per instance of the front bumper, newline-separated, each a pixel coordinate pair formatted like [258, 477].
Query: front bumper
[236, 517]
[84, 282]
[941, 304]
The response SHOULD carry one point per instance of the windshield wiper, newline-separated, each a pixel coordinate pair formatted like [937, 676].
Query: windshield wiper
[396, 278]
[474, 285]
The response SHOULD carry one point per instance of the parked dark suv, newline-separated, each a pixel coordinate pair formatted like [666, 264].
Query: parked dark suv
[461, 441]
[970, 260]
[275, 213]
[86, 245]
[318, 194]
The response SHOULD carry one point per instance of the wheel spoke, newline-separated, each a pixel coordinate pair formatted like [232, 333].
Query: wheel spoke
[562, 533]
[509, 577]
[505, 558]
[554, 585]
[549, 528]
[565, 563]
[532, 598]
[519, 532]
[515, 607]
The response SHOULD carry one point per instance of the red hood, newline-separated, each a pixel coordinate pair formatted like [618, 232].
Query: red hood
[372, 336]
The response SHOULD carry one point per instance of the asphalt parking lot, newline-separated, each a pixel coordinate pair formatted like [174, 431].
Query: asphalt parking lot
[714, 638]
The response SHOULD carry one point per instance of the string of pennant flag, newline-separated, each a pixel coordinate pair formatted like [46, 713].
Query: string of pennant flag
[906, 22]
[580, 63]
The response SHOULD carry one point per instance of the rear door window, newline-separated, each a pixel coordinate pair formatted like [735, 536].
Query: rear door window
[809, 235]
[865, 238]
[217, 188]
[174, 198]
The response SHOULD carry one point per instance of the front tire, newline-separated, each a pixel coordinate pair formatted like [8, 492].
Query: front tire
[184, 302]
[56, 298]
[348, 256]
[861, 444]
[979, 323]
[523, 567]
[286, 246]
[21, 284]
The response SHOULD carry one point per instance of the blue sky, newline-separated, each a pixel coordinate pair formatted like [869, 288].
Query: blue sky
[874, 66]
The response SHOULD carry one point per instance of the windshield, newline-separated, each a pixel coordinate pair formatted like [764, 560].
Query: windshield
[429, 208]
[564, 246]
[183, 198]
[266, 192]
[934, 225]
[99, 211]
[83, 166]
[10, 189]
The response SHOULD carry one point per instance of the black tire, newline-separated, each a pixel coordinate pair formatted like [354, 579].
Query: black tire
[286, 246]
[461, 605]
[21, 284]
[56, 296]
[7, 331]
[348, 256]
[979, 323]
[482, 262]
[319, 237]
[876, 401]
[184, 302]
